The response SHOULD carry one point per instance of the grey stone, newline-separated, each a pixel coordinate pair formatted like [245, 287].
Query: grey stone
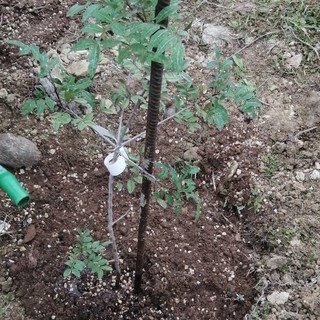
[216, 35]
[277, 262]
[300, 176]
[311, 301]
[3, 93]
[192, 154]
[17, 151]
[6, 285]
[78, 68]
[278, 298]
[315, 175]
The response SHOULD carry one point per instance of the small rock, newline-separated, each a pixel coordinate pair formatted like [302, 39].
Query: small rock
[52, 151]
[299, 186]
[279, 147]
[277, 262]
[3, 93]
[295, 242]
[6, 285]
[30, 234]
[192, 154]
[11, 98]
[123, 230]
[295, 60]
[317, 165]
[277, 297]
[216, 35]
[78, 68]
[315, 175]
[17, 151]
[311, 301]
[300, 176]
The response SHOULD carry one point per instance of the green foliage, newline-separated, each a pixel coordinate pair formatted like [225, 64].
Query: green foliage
[132, 30]
[138, 41]
[182, 187]
[5, 301]
[255, 200]
[271, 164]
[87, 255]
[64, 92]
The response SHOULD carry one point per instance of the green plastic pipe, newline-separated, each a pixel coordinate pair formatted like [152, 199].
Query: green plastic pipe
[13, 188]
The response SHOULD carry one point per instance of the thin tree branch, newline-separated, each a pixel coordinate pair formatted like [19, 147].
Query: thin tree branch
[255, 40]
[110, 229]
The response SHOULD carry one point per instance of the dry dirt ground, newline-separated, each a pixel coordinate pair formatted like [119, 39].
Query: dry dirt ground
[253, 254]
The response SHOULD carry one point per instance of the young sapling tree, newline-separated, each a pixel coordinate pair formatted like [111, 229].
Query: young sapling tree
[152, 55]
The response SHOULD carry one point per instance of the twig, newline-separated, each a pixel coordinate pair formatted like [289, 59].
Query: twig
[159, 123]
[304, 131]
[110, 229]
[124, 215]
[305, 43]
[214, 182]
[255, 40]
[135, 108]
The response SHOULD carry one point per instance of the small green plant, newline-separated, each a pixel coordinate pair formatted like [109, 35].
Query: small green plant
[255, 200]
[87, 254]
[240, 298]
[5, 301]
[182, 187]
[271, 164]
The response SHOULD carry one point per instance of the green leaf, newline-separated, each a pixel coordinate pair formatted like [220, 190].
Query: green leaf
[89, 12]
[220, 115]
[89, 98]
[165, 43]
[166, 12]
[164, 173]
[76, 273]
[75, 9]
[85, 43]
[24, 49]
[60, 118]
[162, 203]
[157, 37]
[104, 15]
[212, 65]
[92, 28]
[238, 61]
[40, 106]
[119, 186]
[100, 273]
[106, 268]
[35, 51]
[83, 84]
[193, 170]
[226, 64]
[67, 272]
[123, 54]
[169, 199]
[28, 106]
[52, 62]
[109, 43]
[178, 55]
[119, 29]
[68, 95]
[94, 57]
[130, 185]
[251, 106]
